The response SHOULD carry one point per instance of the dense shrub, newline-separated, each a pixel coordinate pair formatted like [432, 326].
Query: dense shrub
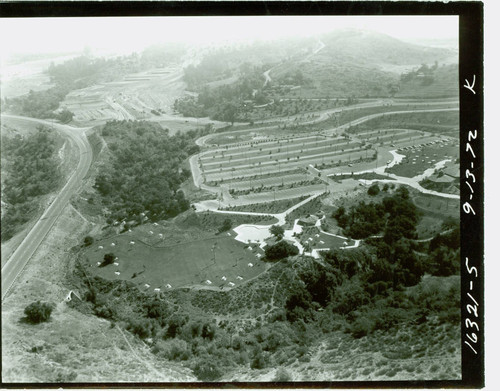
[277, 231]
[88, 241]
[175, 349]
[259, 360]
[282, 375]
[206, 369]
[361, 327]
[226, 225]
[38, 312]
[141, 327]
[108, 259]
[373, 190]
[104, 312]
[280, 250]
[396, 216]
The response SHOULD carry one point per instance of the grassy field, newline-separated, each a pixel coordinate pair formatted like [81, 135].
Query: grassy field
[178, 265]
[284, 194]
[395, 136]
[265, 182]
[269, 207]
[451, 187]
[429, 225]
[313, 206]
[321, 240]
[367, 175]
[418, 160]
[437, 206]
[440, 122]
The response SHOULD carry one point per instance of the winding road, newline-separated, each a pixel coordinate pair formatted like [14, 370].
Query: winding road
[18, 260]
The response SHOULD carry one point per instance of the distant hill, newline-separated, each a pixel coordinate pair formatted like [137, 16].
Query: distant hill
[368, 47]
[343, 64]
[359, 63]
[442, 82]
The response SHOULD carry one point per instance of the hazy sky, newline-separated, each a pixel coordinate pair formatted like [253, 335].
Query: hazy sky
[128, 34]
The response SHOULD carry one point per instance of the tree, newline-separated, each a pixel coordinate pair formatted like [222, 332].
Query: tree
[277, 231]
[373, 190]
[298, 304]
[259, 361]
[108, 258]
[229, 112]
[226, 225]
[88, 241]
[281, 250]
[208, 331]
[65, 116]
[206, 369]
[403, 192]
[282, 375]
[38, 312]
[174, 326]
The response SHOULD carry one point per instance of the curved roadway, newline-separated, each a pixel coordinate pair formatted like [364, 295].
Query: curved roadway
[28, 246]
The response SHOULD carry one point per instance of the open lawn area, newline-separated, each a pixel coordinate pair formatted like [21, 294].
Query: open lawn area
[278, 206]
[321, 240]
[433, 205]
[417, 160]
[221, 260]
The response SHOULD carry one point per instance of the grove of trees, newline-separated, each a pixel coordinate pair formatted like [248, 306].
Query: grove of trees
[144, 175]
[396, 217]
[280, 250]
[31, 171]
[277, 230]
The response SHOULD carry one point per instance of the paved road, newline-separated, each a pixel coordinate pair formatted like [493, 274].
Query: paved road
[28, 246]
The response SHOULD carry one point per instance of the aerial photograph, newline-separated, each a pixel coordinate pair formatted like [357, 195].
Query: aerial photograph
[230, 199]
